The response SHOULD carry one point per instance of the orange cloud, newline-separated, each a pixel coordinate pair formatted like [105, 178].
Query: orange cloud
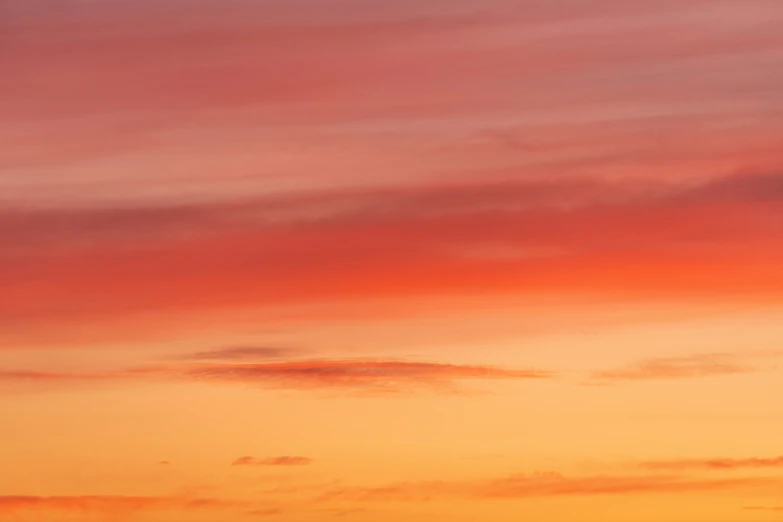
[351, 375]
[107, 504]
[265, 512]
[52, 378]
[715, 464]
[688, 367]
[241, 353]
[546, 485]
[272, 461]
[373, 376]
[36, 376]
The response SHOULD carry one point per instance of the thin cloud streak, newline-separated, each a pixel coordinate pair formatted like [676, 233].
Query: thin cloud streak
[272, 461]
[569, 198]
[242, 353]
[349, 375]
[116, 505]
[686, 367]
[38, 376]
[523, 486]
[368, 376]
[716, 464]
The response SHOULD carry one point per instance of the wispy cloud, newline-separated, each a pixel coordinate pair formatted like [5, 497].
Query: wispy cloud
[266, 512]
[763, 508]
[341, 512]
[518, 199]
[111, 505]
[716, 464]
[362, 376]
[86, 227]
[243, 353]
[686, 367]
[764, 187]
[603, 47]
[42, 376]
[372, 376]
[524, 486]
[579, 235]
[272, 461]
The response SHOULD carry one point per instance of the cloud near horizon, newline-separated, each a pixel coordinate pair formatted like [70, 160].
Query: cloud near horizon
[272, 461]
[114, 505]
[726, 464]
[530, 486]
[54, 377]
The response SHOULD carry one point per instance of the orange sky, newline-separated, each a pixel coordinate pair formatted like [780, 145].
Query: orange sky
[476, 260]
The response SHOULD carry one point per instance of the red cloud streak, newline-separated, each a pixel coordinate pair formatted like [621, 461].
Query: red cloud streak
[60, 266]
[372, 376]
[352, 375]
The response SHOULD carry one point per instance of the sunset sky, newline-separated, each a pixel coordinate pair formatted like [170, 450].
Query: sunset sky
[391, 260]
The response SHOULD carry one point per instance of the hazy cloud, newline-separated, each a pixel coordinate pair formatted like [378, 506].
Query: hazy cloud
[27, 230]
[525, 486]
[265, 512]
[45, 376]
[353, 375]
[272, 461]
[240, 353]
[516, 237]
[686, 367]
[765, 187]
[716, 464]
[376, 376]
[107, 504]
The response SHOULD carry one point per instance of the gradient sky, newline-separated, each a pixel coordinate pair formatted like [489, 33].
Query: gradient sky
[466, 260]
